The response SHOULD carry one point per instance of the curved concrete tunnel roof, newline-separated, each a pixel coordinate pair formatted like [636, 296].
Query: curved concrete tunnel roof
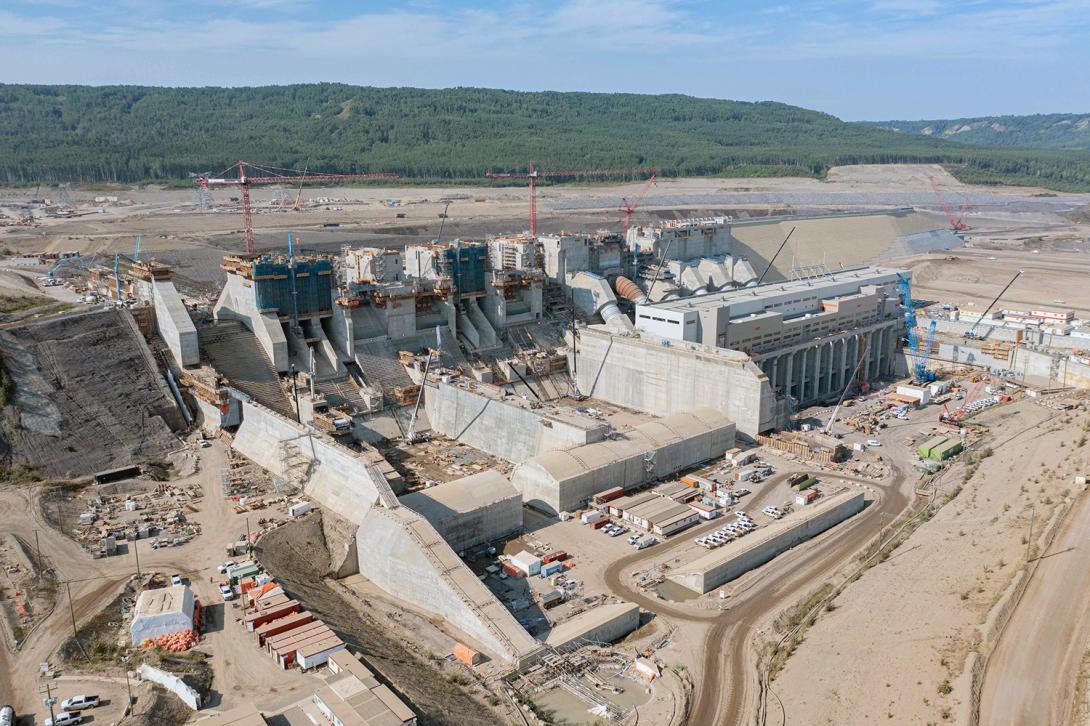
[562, 480]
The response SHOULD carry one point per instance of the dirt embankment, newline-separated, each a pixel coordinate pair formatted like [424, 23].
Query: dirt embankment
[296, 555]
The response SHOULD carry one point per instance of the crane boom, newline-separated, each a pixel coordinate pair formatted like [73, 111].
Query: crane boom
[532, 175]
[627, 208]
[969, 333]
[272, 175]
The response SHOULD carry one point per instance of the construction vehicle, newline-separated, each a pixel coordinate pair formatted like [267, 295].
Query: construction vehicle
[953, 420]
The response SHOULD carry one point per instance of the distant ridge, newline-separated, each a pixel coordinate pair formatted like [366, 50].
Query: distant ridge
[1044, 131]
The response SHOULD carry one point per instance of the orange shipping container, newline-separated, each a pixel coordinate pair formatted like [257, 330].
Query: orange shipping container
[466, 654]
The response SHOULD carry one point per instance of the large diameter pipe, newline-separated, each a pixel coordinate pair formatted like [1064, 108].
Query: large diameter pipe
[629, 290]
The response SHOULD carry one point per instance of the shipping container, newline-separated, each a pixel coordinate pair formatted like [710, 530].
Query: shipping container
[558, 555]
[512, 571]
[591, 517]
[598, 524]
[608, 495]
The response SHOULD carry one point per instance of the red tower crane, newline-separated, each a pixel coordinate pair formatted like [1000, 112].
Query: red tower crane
[956, 224]
[627, 208]
[533, 175]
[272, 175]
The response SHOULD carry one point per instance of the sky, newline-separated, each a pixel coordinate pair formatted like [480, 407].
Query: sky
[856, 59]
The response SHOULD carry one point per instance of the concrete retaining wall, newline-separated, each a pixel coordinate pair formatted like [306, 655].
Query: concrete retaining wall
[337, 477]
[503, 429]
[720, 566]
[602, 624]
[401, 553]
[642, 374]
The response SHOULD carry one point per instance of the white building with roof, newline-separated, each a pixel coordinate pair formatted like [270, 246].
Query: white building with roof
[162, 612]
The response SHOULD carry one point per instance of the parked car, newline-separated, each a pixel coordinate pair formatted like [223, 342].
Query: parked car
[223, 567]
[873, 442]
[7, 716]
[78, 703]
[175, 580]
[741, 492]
[636, 538]
[227, 592]
[65, 718]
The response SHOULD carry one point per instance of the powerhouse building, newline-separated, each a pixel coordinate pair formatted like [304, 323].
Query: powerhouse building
[807, 335]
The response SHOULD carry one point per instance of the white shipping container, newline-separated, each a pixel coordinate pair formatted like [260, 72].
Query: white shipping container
[591, 517]
[298, 509]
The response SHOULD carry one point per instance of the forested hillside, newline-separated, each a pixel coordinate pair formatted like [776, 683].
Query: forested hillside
[1054, 130]
[127, 133]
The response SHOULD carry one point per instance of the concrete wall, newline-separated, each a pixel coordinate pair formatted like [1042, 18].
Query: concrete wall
[172, 320]
[720, 566]
[401, 553]
[642, 374]
[470, 511]
[397, 548]
[602, 624]
[559, 481]
[237, 302]
[503, 429]
[337, 477]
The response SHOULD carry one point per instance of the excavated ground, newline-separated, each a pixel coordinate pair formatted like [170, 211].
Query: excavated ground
[86, 398]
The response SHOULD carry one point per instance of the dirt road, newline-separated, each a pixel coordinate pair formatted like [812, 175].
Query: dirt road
[721, 696]
[1032, 674]
[95, 583]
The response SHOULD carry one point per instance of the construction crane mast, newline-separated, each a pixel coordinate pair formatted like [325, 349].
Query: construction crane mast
[532, 175]
[242, 179]
[920, 373]
[957, 224]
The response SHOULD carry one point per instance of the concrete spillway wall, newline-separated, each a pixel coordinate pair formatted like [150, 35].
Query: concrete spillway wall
[172, 319]
[504, 429]
[398, 549]
[401, 553]
[657, 379]
[723, 565]
[237, 302]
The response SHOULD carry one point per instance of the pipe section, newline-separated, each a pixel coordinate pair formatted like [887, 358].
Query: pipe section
[629, 290]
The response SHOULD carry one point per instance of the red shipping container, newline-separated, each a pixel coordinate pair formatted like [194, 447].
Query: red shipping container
[599, 524]
[559, 555]
[512, 571]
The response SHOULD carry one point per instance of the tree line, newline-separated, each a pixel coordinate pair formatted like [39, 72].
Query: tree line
[134, 134]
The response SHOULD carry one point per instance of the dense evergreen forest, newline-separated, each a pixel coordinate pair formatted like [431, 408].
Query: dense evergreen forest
[1043, 131]
[132, 134]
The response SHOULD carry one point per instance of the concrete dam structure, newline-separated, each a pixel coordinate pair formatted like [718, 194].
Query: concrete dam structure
[398, 549]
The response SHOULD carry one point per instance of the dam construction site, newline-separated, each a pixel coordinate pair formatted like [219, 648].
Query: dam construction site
[386, 455]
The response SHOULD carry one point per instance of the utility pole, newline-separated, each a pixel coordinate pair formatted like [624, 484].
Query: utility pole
[1029, 539]
[72, 612]
[249, 548]
[49, 701]
[136, 551]
[128, 687]
[38, 550]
